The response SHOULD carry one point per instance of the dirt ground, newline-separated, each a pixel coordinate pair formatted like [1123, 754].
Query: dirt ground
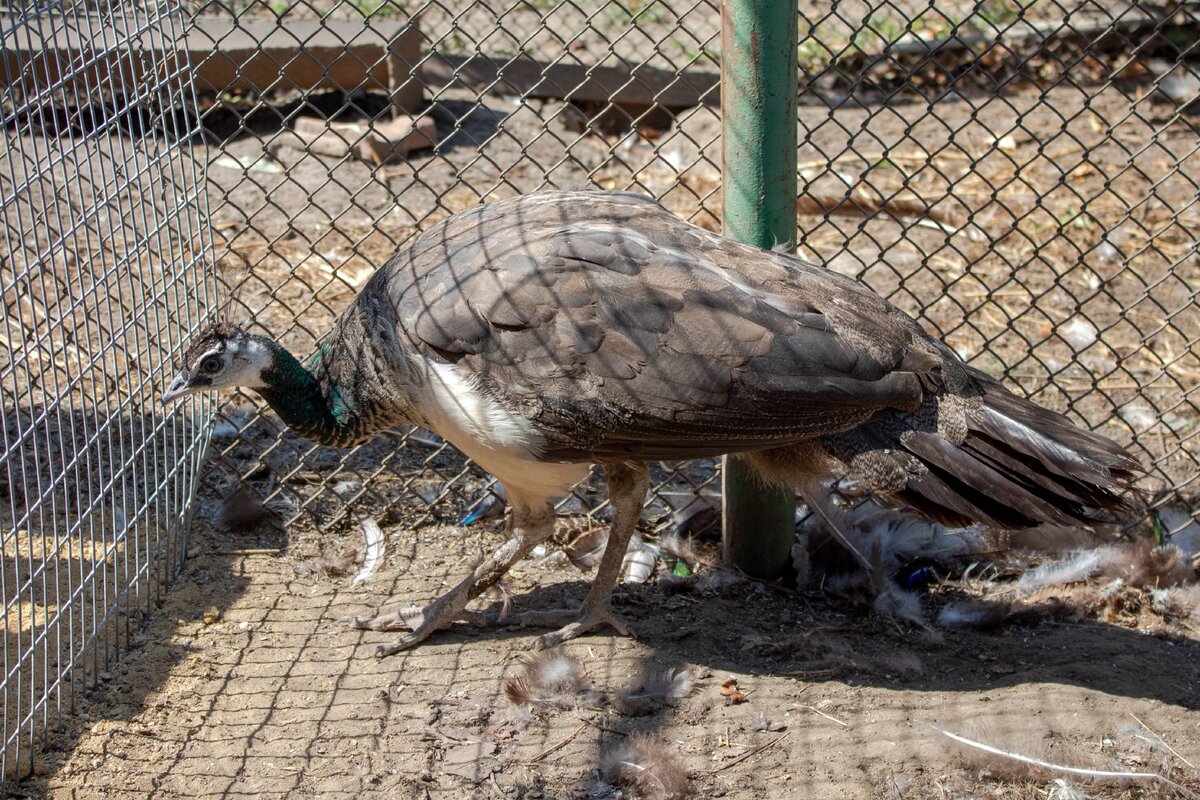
[248, 683]
[1057, 249]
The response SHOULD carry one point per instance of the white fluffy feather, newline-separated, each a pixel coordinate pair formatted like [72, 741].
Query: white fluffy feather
[902, 536]
[1073, 569]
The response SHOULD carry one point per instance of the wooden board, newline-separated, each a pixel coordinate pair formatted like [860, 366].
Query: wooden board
[85, 57]
[636, 86]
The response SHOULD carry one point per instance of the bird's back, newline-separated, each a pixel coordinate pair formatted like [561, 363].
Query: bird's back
[614, 330]
[620, 329]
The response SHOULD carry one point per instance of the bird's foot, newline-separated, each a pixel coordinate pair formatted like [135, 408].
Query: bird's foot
[575, 622]
[420, 621]
[408, 619]
[419, 634]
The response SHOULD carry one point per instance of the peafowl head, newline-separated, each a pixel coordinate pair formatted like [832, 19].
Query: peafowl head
[223, 357]
[226, 357]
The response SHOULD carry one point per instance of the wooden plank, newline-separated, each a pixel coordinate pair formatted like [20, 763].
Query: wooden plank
[263, 56]
[78, 55]
[637, 86]
[226, 54]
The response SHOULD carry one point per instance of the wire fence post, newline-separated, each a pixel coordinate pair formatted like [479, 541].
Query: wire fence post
[758, 113]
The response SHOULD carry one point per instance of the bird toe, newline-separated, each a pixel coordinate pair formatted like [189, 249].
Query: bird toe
[408, 619]
[588, 621]
[401, 644]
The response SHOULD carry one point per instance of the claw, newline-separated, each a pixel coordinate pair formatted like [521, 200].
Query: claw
[421, 621]
[432, 618]
[408, 619]
[403, 643]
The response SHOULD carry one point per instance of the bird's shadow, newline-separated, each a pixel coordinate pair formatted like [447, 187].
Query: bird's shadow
[762, 630]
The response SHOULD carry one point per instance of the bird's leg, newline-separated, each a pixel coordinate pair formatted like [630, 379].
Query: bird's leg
[627, 484]
[530, 528]
[817, 498]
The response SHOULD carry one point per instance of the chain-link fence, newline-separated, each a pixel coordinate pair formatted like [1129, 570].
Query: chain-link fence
[1016, 174]
[100, 280]
[520, 97]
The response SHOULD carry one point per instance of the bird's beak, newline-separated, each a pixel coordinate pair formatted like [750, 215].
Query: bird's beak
[177, 389]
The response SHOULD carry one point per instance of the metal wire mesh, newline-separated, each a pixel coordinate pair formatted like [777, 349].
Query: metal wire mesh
[101, 280]
[311, 227]
[1017, 175]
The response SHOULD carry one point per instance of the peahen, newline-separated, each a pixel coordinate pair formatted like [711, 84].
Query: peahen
[547, 332]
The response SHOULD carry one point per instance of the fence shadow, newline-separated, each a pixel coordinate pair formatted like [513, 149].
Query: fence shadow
[92, 535]
[822, 640]
[279, 696]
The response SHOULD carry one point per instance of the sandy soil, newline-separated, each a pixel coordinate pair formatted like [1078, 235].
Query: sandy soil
[275, 696]
[1058, 250]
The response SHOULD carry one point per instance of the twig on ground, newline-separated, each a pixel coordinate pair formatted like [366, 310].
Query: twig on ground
[1170, 749]
[558, 746]
[807, 673]
[860, 202]
[749, 753]
[251, 551]
[496, 784]
[605, 728]
[816, 710]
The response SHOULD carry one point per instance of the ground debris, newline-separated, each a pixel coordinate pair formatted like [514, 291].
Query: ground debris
[471, 760]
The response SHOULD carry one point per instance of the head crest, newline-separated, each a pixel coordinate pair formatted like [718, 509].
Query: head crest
[232, 273]
[213, 338]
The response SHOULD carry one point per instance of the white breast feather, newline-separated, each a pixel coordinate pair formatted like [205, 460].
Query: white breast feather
[503, 443]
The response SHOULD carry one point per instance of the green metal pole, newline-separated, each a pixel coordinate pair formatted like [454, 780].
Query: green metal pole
[758, 111]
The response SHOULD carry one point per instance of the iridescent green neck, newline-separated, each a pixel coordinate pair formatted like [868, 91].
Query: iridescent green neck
[301, 402]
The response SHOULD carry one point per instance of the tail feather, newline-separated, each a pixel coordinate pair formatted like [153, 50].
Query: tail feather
[1004, 458]
[1061, 445]
[1023, 465]
[1012, 498]
[1080, 457]
[943, 499]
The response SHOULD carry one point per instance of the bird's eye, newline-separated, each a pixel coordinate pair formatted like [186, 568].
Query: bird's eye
[211, 365]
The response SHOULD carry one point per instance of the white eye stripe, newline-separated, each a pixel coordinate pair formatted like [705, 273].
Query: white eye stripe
[216, 351]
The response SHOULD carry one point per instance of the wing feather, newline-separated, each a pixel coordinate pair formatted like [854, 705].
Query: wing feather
[618, 329]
